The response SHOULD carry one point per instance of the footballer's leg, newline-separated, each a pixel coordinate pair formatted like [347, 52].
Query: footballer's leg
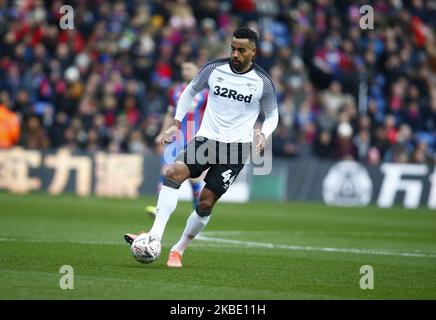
[166, 160]
[175, 175]
[196, 222]
[168, 197]
[167, 200]
[196, 185]
[218, 179]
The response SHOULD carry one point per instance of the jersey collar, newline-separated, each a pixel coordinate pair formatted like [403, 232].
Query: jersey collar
[234, 71]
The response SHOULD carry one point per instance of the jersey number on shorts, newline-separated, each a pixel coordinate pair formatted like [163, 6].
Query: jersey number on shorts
[227, 175]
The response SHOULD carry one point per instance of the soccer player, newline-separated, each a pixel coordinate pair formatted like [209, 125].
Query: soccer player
[238, 90]
[188, 128]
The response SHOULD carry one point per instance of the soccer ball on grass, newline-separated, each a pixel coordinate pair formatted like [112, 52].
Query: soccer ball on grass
[145, 249]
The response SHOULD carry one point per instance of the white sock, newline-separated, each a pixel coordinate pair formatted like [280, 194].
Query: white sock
[194, 225]
[166, 204]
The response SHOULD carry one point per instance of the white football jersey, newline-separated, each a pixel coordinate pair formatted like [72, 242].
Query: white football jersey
[234, 100]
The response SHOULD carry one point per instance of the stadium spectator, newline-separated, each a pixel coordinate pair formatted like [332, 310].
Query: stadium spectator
[323, 147]
[344, 147]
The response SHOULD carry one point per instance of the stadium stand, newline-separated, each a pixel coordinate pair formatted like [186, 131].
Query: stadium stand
[343, 92]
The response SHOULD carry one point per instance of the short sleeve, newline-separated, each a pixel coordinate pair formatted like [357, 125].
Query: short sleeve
[200, 81]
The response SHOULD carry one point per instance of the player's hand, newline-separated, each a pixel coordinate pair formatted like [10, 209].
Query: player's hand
[260, 141]
[158, 139]
[169, 135]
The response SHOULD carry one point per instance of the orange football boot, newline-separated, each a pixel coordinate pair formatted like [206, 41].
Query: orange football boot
[174, 260]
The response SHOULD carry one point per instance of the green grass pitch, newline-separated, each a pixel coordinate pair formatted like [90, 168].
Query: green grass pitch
[258, 250]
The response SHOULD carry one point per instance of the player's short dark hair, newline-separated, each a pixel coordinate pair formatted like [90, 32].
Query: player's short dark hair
[246, 33]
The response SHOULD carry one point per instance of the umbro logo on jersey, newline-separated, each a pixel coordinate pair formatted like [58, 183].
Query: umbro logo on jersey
[231, 94]
[219, 79]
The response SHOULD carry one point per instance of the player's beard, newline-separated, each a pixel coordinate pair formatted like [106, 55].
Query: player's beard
[238, 66]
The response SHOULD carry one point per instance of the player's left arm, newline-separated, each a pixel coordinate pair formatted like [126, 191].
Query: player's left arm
[268, 127]
[269, 106]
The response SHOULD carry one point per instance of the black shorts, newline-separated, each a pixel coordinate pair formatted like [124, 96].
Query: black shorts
[224, 161]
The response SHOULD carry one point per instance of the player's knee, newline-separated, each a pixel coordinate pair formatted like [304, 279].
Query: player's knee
[207, 201]
[175, 173]
[171, 173]
[204, 208]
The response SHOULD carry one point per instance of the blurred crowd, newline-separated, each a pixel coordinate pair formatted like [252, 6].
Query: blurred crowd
[344, 91]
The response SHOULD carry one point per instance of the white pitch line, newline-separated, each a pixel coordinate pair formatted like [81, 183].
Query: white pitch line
[63, 241]
[253, 244]
[250, 244]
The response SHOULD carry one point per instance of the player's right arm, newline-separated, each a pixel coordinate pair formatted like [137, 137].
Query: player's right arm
[183, 106]
[169, 134]
[166, 123]
[199, 82]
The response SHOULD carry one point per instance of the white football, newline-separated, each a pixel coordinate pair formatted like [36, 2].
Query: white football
[145, 249]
